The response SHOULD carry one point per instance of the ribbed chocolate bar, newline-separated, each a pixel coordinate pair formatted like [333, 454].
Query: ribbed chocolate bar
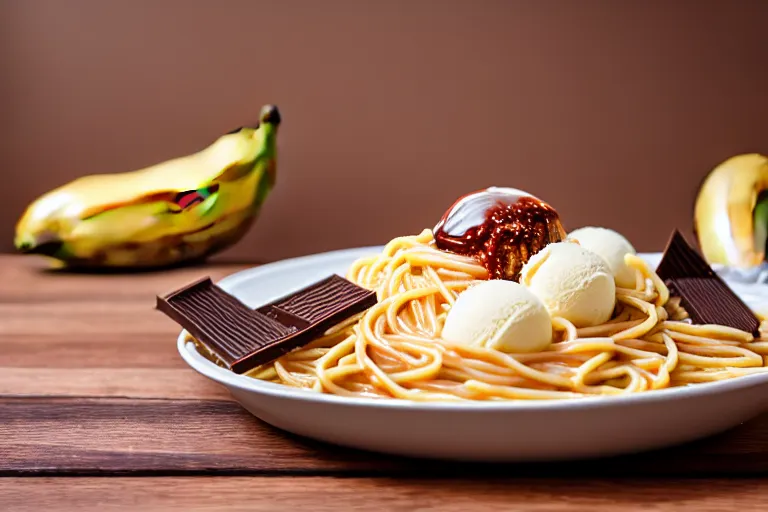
[703, 294]
[316, 302]
[240, 338]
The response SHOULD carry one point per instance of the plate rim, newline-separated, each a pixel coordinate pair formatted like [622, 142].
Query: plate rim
[207, 368]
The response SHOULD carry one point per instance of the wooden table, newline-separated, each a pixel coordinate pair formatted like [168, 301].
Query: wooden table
[91, 387]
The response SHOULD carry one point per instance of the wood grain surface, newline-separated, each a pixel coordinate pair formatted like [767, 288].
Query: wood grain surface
[91, 386]
[317, 494]
[90, 436]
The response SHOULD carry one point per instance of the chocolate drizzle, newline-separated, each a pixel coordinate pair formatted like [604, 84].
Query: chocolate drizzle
[500, 227]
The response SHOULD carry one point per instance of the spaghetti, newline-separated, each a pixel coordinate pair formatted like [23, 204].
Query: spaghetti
[395, 350]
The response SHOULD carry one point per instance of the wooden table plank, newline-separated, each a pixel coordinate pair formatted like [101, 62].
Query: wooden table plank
[318, 494]
[25, 280]
[94, 350]
[76, 436]
[109, 382]
[108, 436]
[93, 317]
[82, 335]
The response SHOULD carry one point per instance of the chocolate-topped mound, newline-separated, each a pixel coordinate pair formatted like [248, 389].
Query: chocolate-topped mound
[501, 227]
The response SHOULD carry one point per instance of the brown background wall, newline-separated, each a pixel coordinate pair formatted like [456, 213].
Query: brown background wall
[612, 111]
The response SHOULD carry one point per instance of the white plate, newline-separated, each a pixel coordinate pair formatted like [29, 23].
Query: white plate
[483, 431]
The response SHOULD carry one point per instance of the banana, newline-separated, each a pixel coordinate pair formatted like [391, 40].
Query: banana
[731, 212]
[170, 213]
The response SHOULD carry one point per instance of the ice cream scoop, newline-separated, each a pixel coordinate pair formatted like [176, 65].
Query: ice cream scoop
[501, 227]
[501, 315]
[612, 247]
[572, 282]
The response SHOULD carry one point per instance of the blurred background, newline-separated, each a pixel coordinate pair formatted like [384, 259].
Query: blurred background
[611, 111]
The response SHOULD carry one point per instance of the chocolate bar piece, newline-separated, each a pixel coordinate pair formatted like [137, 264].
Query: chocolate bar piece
[241, 338]
[703, 294]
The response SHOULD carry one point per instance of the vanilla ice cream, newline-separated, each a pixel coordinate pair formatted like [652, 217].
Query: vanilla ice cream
[572, 282]
[501, 315]
[612, 247]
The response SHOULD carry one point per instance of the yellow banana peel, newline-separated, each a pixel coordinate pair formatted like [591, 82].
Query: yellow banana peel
[170, 213]
[731, 212]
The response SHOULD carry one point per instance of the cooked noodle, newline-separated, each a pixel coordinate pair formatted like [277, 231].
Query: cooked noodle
[395, 349]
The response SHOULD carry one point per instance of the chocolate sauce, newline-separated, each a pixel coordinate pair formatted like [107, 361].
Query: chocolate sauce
[501, 227]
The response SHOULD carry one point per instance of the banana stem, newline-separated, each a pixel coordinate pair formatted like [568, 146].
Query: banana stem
[760, 215]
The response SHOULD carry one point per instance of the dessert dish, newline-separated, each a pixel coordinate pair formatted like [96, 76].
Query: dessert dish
[498, 302]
